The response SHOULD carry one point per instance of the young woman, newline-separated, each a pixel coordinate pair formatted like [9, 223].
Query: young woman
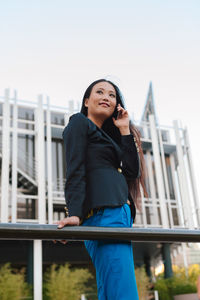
[105, 167]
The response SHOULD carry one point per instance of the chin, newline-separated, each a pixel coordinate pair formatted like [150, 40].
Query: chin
[104, 114]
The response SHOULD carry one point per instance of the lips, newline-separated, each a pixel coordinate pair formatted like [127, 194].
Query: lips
[103, 103]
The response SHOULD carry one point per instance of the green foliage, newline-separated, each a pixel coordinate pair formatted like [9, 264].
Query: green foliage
[143, 283]
[180, 283]
[163, 286]
[92, 293]
[191, 275]
[66, 284]
[12, 286]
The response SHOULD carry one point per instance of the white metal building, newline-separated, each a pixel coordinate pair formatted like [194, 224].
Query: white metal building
[33, 169]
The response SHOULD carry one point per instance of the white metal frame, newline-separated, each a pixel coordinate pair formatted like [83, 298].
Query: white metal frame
[152, 134]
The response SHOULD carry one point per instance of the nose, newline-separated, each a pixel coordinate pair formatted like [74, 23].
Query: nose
[105, 98]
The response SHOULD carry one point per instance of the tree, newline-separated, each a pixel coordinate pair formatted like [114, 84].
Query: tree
[12, 285]
[66, 284]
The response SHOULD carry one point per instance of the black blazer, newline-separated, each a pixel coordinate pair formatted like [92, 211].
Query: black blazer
[97, 167]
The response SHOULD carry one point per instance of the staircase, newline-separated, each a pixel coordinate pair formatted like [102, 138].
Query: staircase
[26, 173]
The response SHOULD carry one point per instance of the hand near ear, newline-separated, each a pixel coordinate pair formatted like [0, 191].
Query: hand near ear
[122, 120]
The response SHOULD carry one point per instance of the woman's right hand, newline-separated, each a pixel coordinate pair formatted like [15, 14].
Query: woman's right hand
[73, 220]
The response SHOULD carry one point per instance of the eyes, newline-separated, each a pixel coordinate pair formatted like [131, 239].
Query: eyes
[111, 94]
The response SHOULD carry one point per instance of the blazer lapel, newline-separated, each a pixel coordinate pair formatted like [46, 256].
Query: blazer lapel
[115, 145]
[110, 139]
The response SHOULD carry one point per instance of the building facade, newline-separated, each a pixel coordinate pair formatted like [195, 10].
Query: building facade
[33, 170]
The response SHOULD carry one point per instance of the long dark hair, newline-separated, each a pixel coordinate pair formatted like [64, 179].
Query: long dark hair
[109, 127]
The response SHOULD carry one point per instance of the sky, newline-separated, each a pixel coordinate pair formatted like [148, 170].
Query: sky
[57, 48]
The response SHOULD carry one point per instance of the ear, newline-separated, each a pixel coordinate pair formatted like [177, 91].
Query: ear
[86, 102]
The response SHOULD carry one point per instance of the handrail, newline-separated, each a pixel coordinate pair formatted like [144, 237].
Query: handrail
[25, 231]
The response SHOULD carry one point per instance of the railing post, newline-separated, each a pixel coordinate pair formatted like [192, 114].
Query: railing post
[156, 295]
[37, 269]
[37, 244]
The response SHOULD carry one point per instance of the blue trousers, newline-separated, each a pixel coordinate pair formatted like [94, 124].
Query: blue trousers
[113, 261]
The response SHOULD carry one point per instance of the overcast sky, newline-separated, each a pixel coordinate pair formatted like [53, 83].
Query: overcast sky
[58, 48]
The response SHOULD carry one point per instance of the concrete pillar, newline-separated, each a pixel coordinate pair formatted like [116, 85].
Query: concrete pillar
[183, 180]
[147, 262]
[176, 190]
[167, 260]
[40, 149]
[165, 178]
[5, 158]
[193, 179]
[159, 173]
[30, 263]
[49, 163]
[154, 210]
[14, 160]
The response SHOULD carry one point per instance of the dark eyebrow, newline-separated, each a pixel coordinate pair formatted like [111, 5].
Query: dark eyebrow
[104, 89]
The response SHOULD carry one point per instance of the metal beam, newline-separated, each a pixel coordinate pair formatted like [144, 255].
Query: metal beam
[25, 231]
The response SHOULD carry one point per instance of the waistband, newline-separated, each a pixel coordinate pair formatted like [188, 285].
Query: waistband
[96, 209]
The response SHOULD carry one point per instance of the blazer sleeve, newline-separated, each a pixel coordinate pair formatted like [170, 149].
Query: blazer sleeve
[75, 143]
[130, 161]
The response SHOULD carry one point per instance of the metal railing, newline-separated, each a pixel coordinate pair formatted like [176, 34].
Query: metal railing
[25, 231]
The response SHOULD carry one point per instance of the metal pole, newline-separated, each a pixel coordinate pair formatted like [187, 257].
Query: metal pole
[24, 231]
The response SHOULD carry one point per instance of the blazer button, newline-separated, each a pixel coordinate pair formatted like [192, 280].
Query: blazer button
[66, 211]
[119, 170]
[128, 202]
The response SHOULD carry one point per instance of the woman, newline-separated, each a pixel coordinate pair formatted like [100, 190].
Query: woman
[105, 166]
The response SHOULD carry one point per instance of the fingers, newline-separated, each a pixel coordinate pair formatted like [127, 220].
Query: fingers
[73, 220]
[66, 221]
[120, 108]
[64, 241]
[121, 111]
[55, 222]
[62, 223]
[61, 241]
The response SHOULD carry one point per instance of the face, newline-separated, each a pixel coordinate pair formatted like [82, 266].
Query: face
[102, 100]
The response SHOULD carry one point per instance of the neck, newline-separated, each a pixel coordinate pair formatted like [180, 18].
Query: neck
[96, 121]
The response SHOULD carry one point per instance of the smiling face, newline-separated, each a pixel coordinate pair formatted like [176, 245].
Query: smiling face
[102, 100]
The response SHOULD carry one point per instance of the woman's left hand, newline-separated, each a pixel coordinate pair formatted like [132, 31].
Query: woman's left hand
[122, 120]
[73, 220]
